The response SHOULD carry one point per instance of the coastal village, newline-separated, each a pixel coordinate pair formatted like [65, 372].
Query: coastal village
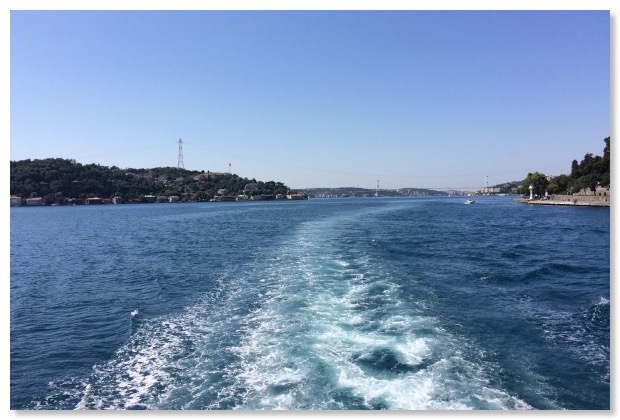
[58, 181]
[43, 182]
[600, 197]
[222, 195]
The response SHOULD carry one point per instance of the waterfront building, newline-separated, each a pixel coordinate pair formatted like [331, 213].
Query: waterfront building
[34, 201]
[16, 201]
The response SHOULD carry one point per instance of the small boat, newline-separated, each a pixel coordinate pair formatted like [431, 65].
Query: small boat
[469, 202]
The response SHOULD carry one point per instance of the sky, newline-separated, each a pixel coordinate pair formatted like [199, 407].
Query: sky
[438, 99]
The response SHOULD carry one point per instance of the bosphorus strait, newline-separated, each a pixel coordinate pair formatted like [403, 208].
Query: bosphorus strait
[322, 304]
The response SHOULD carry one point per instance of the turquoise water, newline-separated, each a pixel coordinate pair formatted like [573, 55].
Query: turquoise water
[416, 304]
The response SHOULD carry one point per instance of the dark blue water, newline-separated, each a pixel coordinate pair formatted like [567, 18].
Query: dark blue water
[322, 304]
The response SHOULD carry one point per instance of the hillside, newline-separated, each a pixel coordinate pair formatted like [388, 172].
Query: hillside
[59, 180]
[365, 192]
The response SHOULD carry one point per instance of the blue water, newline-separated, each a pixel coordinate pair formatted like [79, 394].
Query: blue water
[416, 304]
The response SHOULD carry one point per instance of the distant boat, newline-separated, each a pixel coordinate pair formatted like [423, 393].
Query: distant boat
[469, 201]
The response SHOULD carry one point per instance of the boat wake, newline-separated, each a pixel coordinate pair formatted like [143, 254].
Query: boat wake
[318, 323]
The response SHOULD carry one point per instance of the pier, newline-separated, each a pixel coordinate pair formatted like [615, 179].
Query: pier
[569, 200]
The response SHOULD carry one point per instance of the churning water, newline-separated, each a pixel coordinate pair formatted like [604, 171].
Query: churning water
[337, 304]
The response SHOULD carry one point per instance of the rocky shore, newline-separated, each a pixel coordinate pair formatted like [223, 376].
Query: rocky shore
[570, 200]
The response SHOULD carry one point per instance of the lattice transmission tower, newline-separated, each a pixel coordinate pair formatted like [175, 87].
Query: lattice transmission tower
[180, 165]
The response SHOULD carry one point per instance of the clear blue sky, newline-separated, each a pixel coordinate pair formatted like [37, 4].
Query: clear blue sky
[314, 98]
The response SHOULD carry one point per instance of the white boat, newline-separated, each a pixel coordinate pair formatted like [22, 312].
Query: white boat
[469, 202]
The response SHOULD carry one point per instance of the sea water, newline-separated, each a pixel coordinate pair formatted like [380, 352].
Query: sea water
[325, 304]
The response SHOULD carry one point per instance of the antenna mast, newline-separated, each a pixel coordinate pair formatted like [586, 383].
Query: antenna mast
[180, 165]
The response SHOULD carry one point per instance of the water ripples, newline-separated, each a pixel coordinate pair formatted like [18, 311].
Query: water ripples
[389, 305]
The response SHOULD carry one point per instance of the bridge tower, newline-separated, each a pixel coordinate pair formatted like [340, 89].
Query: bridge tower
[180, 165]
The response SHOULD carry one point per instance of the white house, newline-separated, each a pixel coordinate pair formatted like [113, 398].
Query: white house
[34, 201]
[16, 201]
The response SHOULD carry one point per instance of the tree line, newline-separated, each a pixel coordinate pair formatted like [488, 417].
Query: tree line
[591, 172]
[57, 180]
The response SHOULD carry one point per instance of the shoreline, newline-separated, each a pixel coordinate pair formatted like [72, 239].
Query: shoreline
[569, 200]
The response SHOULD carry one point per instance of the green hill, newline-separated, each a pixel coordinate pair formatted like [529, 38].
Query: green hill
[58, 180]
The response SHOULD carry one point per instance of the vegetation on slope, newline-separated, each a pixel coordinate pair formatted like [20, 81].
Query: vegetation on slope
[591, 172]
[56, 180]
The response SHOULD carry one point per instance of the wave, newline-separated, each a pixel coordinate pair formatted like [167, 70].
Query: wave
[332, 317]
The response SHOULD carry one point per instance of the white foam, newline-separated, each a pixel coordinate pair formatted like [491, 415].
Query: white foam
[603, 301]
[305, 338]
[414, 352]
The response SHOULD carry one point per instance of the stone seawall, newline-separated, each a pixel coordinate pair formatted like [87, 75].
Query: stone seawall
[570, 200]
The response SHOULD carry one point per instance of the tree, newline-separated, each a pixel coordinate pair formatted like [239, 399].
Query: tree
[59, 179]
[592, 170]
[589, 173]
[538, 180]
[575, 171]
[559, 185]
